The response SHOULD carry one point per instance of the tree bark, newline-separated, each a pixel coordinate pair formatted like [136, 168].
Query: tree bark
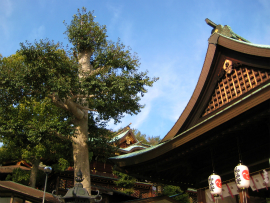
[80, 151]
[33, 173]
[80, 147]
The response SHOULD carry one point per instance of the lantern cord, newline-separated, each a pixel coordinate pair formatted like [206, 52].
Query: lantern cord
[239, 151]
[244, 195]
[213, 166]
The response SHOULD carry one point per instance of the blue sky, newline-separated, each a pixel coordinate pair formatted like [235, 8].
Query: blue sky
[169, 36]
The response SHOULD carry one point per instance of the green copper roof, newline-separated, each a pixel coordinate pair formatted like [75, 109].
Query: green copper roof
[248, 43]
[137, 152]
[224, 30]
[214, 115]
[118, 137]
[132, 147]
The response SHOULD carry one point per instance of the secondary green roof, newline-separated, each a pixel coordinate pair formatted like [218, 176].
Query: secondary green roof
[118, 137]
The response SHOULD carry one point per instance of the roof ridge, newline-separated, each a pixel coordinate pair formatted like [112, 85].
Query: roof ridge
[225, 30]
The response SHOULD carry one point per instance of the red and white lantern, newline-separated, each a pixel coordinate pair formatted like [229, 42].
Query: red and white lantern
[242, 177]
[215, 184]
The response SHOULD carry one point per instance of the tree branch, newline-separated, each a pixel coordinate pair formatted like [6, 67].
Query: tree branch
[57, 101]
[73, 108]
[81, 96]
[61, 136]
[84, 108]
[99, 70]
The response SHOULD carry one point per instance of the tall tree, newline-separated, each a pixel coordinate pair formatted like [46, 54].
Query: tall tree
[176, 193]
[99, 145]
[98, 82]
[30, 131]
[125, 182]
[143, 138]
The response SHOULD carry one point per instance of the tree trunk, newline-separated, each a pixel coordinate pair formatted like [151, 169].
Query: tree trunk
[34, 171]
[80, 151]
[80, 147]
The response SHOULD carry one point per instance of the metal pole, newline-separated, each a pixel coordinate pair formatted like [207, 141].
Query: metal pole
[45, 188]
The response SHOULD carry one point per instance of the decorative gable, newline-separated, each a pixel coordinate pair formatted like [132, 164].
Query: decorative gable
[237, 80]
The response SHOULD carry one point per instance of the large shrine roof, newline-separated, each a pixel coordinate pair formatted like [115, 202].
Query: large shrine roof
[219, 97]
[141, 152]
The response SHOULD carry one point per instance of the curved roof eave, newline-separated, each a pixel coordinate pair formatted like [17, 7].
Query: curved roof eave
[193, 132]
[206, 67]
[171, 141]
[244, 47]
[215, 38]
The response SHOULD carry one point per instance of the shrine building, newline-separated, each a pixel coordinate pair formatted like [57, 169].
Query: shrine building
[226, 121]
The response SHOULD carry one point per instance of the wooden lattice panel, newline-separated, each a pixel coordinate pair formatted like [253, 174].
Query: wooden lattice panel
[232, 86]
[65, 184]
[62, 184]
[136, 193]
[69, 184]
[144, 195]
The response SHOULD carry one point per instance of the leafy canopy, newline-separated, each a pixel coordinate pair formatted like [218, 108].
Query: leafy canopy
[44, 69]
[84, 33]
[21, 176]
[125, 182]
[43, 85]
[170, 190]
[32, 128]
[143, 138]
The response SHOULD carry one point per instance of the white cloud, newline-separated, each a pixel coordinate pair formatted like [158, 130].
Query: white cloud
[116, 12]
[126, 30]
[265, 4]
[120, 25]
[173, 87]
[138, 120]
[6, 9]
[37, 33]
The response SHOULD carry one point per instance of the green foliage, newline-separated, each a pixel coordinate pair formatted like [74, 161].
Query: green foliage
[171, 190]
[62, 165]
[22, 176]
[143, 138]
[29, 131]
[19, 176]
[40, 81]
[114, 78]
[99, 147]
[31, 126]
[37, 70]
[8, 154]
[125, 182]
[44, 69]
[84, 33]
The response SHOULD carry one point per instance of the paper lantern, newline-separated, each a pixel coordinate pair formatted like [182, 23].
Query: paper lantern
[242, 178]
[215, 184]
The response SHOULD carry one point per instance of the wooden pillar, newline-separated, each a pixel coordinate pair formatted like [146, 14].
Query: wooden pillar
[57, 185]
[244, 196]
[11, 198]
[201, 196]
[150, 191]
